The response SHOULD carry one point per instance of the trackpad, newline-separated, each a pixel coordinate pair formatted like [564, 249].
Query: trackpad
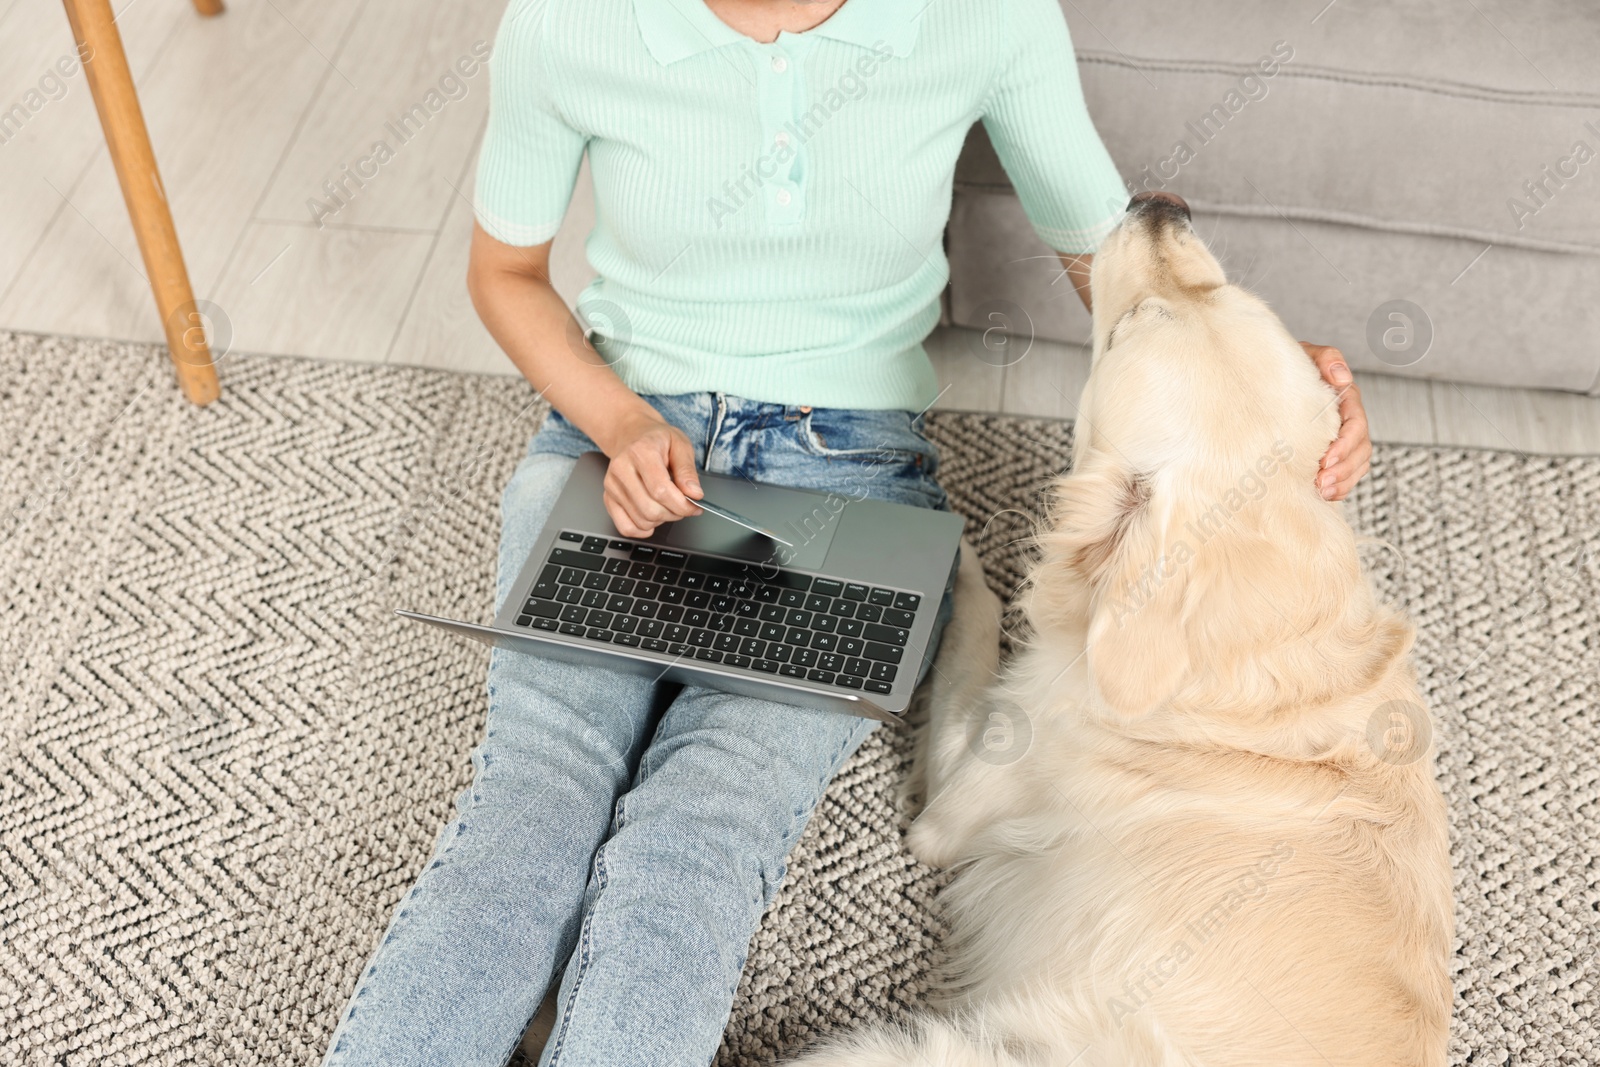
[805, 518]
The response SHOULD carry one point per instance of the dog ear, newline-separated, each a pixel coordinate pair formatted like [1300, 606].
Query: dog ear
[1108, 529]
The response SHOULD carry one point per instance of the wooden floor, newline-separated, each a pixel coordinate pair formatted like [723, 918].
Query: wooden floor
[253, 113]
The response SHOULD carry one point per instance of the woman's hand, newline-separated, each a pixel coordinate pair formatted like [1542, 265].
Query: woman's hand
[1348, 458]
[651, 478]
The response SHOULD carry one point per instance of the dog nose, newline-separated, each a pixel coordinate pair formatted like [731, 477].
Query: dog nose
[1158, 200]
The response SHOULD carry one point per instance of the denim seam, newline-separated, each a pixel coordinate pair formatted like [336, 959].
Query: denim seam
[585, 953]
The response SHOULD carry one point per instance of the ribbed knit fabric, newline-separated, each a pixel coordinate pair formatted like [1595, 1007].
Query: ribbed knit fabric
[769, 216]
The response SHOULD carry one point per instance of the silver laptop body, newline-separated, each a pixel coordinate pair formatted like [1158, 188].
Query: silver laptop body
[839, 619]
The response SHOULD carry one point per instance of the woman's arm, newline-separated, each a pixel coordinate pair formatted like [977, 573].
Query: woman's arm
[651, 478]
[1349, 457]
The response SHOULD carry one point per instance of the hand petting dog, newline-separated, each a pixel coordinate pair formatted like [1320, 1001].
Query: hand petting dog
[1349, 457]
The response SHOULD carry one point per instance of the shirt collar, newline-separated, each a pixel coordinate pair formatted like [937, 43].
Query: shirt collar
[677, 29]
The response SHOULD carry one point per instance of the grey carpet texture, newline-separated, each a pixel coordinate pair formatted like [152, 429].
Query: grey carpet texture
[223, 760]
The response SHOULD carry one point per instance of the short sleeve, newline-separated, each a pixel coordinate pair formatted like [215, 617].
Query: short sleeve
[528, 164]
[1040, 128]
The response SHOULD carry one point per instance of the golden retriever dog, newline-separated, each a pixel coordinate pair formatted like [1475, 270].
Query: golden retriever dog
[1194, 821]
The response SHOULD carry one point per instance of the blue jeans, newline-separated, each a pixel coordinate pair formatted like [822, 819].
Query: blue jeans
[630, 831]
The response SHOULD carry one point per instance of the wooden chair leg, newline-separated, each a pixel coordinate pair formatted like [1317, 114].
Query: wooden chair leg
[106, 67]
[208, 7]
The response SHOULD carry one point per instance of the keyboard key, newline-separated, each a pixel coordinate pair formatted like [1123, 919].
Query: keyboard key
[890, 634]
[869, 613]
[615, 566]
[676, 634]
[524, 620]
[722, 603]
[746, 627]
[599, 618]
[597, 580]
[884, 653]
[546, 585]
[733, 659]
[701, 638]
[573, 613]
[671, 595]
[708, 653]
[872, 685]
[691, 580]
[668, 575]
[570, 594]
[668, 558]
[825, 677]
[774, 613]
[767, 594]
[855, 591]
[696, 617]
[830, 661]
[747, 609]
[547, 609]
[655, 644]
[843, 608]
[884, 672]
[624, 624]
[571, 575]
[790, 670]
[791, 598]
[850, 627]
[623, 545]
[726, 643]
[827, 587]
[594, 544]
[595, 633]
[572, 629]
[648, 590]
[640, 570]
[742, 588]
[806, 657]
[680, 648]
[594, 598]
[770, 666]
[718, 583]
[825, 623]
[881, 597]
[848, 681]
[750, 646]
[818, 602]
[824, 642]
[566, 557]
[896, 617]
[631, 640]
[623, 604]
[796, 617]
[907, 601]
[646, 609]
[644, 553]
[619, 584]
[857, 665]
[569, 535]
[772, 631]
[722, 623]
[797, 635]
[778, 652]
[650, 627]
[668, 612]
[546, 624]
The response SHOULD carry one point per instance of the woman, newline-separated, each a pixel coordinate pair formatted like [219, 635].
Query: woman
[772, 182]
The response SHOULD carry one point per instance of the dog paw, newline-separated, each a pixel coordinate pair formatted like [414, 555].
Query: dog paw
[928, 844]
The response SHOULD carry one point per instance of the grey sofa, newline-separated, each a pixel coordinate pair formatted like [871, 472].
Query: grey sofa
[1416, 181]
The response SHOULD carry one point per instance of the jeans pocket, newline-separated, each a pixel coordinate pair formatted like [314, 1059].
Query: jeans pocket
[885, 446]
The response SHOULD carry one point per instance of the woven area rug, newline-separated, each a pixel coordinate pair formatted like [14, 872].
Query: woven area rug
[222, 759]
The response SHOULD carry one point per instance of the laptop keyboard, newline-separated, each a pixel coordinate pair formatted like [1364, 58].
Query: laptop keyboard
[720, 610]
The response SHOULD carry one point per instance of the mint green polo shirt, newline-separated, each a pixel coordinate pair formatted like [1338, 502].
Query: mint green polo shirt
[769, 217]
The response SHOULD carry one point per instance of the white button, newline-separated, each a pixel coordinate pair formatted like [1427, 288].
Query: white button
[784, 197]
[780, 64]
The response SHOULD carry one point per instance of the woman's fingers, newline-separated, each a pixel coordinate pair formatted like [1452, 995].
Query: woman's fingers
[1347, 458]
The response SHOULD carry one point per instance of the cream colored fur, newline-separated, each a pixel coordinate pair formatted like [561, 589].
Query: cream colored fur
[1221, 841]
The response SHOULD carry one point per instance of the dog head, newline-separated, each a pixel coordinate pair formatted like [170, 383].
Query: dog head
[1189, 549]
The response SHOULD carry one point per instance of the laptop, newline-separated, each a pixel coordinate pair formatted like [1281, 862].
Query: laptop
[832, 607]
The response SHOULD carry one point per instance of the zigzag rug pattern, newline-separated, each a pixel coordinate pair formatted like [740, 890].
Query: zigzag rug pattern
[222, 759]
